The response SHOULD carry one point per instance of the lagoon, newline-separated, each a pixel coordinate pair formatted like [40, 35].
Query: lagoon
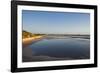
[60, 48]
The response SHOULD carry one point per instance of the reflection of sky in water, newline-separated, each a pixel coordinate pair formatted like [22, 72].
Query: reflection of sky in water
[62, 48]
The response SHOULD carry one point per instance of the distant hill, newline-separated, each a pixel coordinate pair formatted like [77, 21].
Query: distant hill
[26, 34]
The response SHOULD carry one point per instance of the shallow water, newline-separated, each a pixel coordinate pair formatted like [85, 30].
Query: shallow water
[66, 48]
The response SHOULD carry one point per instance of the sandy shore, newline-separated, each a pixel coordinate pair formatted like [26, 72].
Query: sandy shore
[27, 53]
[30, 40]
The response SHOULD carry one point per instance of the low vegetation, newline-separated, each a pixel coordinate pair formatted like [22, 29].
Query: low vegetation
[26, 34]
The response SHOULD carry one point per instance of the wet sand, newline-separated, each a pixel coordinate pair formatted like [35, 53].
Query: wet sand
[27, 54]
[28, 41]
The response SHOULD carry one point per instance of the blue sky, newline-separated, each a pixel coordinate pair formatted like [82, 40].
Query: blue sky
[56, 22]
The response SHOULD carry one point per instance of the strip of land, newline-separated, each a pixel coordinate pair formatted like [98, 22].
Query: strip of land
[27, 41]
[31, 38]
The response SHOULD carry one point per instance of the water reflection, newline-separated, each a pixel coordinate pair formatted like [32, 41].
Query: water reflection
[60, 49]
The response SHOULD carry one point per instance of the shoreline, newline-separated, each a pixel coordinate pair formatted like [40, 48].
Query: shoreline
[30, 40]
[27, 53]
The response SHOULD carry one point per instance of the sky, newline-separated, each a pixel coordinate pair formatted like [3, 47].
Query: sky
[48, 22]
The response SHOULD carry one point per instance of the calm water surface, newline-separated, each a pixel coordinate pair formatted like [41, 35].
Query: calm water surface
[68, 48]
